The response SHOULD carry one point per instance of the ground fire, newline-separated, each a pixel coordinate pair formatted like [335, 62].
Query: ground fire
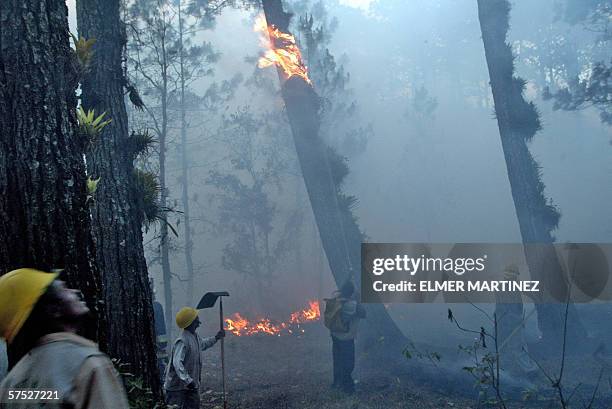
[281, 50]
[240, 326]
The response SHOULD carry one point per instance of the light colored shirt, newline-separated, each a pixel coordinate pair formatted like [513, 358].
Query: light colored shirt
[178, 356]
[85, 377]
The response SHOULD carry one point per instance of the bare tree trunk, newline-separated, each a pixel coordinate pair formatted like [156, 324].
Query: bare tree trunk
[117, 217]
[339, 232]
[185, 165]
[164, 245]
[44, 217]
[518, 122]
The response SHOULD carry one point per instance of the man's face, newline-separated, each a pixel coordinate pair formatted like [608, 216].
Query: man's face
[196, 323]
[69, 302]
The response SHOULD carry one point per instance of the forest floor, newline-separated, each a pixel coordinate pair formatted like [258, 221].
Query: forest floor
[294, 372]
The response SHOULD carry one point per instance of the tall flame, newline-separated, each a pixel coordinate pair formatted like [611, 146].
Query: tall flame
[239, 326]
[280, 50]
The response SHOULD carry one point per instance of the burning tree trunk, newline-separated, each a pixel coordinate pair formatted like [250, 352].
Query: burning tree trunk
[338, 230]
[518, 121]
[117, 217]
[44, 216]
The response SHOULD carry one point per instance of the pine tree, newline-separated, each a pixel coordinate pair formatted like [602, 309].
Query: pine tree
[518, 122]
[44, 215]
[116, 214]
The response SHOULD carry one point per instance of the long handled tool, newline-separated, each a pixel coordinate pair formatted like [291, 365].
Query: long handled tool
[208, 301]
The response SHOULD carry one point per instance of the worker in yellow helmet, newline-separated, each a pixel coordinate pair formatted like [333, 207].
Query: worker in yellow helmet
[182, 383]
[40, 316]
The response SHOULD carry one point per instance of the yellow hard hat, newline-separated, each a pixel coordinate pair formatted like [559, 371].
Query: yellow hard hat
[19, 292]
[186, 316]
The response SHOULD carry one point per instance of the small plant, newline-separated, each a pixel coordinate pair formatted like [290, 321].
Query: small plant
[91, 125]
[138, 396]
[149, 192]
[83, 50]
[486, 366]
[92, 186]
[411, 351]
[140, 143]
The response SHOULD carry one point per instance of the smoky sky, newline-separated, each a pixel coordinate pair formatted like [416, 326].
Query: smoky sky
[441, 178]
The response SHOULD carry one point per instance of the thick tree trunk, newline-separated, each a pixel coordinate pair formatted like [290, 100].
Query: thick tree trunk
[44, 217]
[117, 216]
[518, 122]
[339, 232]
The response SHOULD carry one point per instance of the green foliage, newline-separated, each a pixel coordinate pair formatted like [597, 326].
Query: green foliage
[84, 51]
[341, 125]
[138, 396]
[149, 189]
[594, 13]
[338, 167]
[485, 367]
[411, 351]
[525, 116]
[593, 90]
[345, 203]
[244, 198]
[140, 143]
[149, 193]
[90, 125]
[92, 185]
[545, 209]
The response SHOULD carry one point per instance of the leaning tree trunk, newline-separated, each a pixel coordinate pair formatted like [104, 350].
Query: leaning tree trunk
[518, 121]
[44, 216]
[338, 230]
[117, 216]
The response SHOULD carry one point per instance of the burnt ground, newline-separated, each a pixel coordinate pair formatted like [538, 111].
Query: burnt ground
[290, 372]
[296, 372]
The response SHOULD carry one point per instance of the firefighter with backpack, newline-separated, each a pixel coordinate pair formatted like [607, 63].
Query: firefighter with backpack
[342, 315]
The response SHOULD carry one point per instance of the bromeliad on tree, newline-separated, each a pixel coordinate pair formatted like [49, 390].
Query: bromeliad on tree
[90, 125]
[84, 52]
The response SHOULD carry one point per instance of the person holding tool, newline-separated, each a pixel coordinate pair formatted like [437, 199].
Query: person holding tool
[182, 378]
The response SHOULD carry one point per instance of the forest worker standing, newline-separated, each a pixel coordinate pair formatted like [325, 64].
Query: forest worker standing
[40, 316]
[182, 382]
[342, 316]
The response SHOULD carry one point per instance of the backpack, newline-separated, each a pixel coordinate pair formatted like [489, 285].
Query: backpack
[332, 317]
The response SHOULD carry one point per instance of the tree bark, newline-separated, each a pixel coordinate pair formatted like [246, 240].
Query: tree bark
[164, 239]
[44, 216]
[185, 164]
[518, 122]
[339, 232]
[117, 216]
